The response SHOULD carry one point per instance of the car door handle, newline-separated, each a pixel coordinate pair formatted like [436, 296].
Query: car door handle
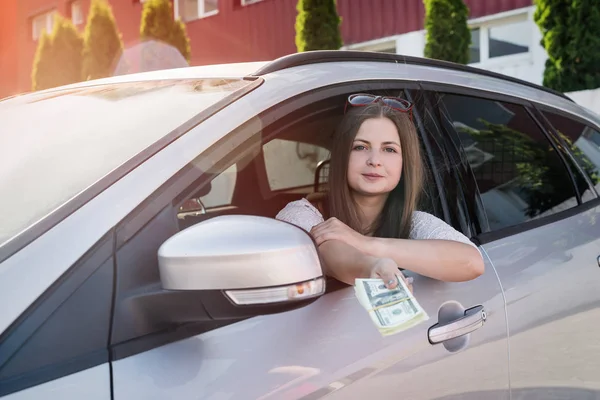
[472, 320]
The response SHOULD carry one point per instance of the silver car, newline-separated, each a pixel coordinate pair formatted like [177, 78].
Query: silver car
[140, 257]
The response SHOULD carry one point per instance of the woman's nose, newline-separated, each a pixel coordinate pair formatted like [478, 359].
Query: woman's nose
[373, 160]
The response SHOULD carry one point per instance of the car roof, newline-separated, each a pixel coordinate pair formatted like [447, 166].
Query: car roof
[324, 56]
[262, 68]
[334, 65]
[225, 71]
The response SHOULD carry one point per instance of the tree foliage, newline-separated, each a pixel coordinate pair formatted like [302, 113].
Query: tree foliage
[102, 42]
[447, 33]
[159, 24]
[571, 36]
[317, 25]
[59, 56]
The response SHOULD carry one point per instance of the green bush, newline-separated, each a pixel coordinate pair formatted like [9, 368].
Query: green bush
[59, 56]
[571, 37]
[158, 24]
[447, 33]
[317, 25]
[102, 42]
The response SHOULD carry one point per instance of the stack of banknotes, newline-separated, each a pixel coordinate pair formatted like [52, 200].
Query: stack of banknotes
[392, 310]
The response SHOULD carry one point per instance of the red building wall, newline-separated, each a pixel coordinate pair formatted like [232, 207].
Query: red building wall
[9, 50]
[260, 31]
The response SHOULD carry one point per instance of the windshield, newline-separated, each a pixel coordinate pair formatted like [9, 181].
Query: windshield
[56, 144]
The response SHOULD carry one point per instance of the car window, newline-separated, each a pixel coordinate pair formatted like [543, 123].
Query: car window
[221, 192]
[60, 143]
[214, 194]
[292, 164]
[519, 174]
[584, 143]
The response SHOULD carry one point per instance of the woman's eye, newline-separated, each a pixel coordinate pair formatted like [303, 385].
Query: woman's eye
[359, 147]
[390, 150]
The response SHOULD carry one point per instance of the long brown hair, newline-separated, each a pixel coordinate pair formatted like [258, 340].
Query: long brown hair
[396, 216]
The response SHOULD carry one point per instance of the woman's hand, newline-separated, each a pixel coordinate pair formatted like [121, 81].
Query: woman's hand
[387, 269]
[334, 229]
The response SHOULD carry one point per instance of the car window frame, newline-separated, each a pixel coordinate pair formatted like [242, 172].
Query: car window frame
[471, 207]
[453, 166]
[493, 235]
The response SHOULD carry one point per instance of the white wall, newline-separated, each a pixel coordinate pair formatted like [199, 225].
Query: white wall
[587, 98]
[411, 44]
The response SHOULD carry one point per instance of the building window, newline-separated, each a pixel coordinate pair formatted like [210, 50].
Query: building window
[513, 38]
[493, 39]
[246, 2]
[41, 23]
[76, 13]
[189, 10]
[475, 47]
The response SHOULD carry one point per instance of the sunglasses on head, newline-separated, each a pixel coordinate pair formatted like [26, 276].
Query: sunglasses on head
[364, 99]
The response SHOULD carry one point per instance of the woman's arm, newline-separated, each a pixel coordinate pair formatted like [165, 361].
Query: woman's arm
[434, 249]
[446, 260]
[345, 263]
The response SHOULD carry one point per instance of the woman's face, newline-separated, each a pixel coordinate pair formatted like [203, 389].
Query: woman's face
[375, 163]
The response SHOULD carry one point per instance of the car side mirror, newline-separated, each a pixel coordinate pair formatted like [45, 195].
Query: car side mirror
[243, 265]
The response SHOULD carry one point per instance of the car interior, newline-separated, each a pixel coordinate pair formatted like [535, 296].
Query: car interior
[290, 163]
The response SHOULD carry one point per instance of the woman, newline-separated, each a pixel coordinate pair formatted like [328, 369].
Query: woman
[375, 179]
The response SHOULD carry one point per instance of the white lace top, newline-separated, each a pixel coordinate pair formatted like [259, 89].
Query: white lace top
[424, 225]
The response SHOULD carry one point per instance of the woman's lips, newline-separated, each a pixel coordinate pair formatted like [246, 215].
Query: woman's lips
[372, 176]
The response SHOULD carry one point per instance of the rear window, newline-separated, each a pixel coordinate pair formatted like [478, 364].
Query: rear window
[54, 145]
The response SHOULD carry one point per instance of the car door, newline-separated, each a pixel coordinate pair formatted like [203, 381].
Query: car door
[57, 348]
[329, 347]
[535, 174]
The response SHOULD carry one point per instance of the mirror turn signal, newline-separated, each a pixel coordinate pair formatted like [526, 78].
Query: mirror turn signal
[297, 291]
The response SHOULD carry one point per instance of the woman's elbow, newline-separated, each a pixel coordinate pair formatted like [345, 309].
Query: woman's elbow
[469, 265]
[475, 265]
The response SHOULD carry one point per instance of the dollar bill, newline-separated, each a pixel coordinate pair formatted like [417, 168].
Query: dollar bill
[392, 310]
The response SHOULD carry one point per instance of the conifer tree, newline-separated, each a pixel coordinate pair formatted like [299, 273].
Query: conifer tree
[59, 56]
[317, 25]
[448, 36]
[159, 24]
[571, 36]
[102, 42]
